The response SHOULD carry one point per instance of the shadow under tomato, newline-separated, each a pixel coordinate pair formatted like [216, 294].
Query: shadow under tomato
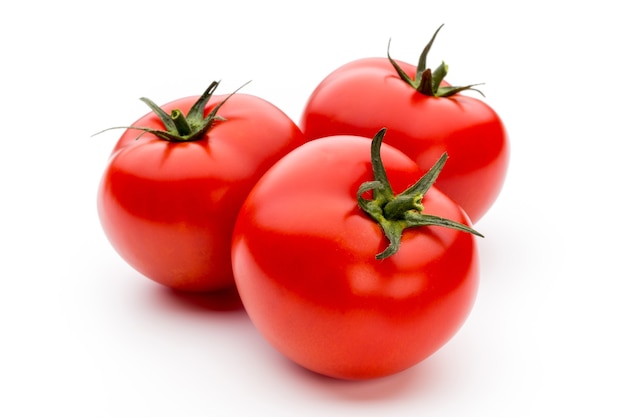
[408, 383]
[223, 300]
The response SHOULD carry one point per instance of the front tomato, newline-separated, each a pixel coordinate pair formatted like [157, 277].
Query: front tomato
[306, 265]
[168, 205]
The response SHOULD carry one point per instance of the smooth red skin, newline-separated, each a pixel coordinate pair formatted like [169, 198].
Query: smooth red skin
[303, 259]
[169, 208]
[363, 96]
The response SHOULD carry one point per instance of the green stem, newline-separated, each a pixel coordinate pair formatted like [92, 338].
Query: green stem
[184, 128]
[397, 208]
[395, 213]
[425, 85]
[182, 125]
[426, 81]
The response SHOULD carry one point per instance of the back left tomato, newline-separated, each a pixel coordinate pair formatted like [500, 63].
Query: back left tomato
[175, 181]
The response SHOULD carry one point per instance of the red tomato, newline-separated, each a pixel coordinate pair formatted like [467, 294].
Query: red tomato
[424, 116]
[305, 264]
[169, 206]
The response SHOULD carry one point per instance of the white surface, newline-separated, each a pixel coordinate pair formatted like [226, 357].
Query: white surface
[85, 335]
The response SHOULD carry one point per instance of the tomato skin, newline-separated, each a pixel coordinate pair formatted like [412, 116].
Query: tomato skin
[168, 208]
[304, 263]
[363, 96]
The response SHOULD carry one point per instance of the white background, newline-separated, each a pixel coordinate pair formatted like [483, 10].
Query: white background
[82, 334]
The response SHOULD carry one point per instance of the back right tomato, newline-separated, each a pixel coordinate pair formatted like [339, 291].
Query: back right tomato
[424, 117]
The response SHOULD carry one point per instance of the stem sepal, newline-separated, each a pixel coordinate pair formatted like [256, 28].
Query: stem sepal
[395, 213]
[180, 127]
[426, 81]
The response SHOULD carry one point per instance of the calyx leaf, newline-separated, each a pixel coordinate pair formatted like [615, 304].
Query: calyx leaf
[395, 213]
[426, 81]
[180, 127]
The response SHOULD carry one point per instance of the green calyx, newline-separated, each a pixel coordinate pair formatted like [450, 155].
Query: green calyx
[426, 81]
[395, 213]
[180, 127]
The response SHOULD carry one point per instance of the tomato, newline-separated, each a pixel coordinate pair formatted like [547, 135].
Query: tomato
[424, 116]
[322, 279]
[168, 201]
